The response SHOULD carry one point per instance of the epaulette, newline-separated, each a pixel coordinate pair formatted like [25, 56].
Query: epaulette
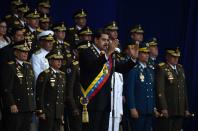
[62, 72]
[16, 22]
[8, 16]
[75, 62]
[72, 28]
[135, 66]
[39, 30]
[26, 62]
[179, 65]
[161, 64]
[47, 71]
[11, 62]
[67, 44]
[37, 52]
[69, 55]
[83, 47]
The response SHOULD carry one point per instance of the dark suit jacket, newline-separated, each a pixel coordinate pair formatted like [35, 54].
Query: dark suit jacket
[91, 63]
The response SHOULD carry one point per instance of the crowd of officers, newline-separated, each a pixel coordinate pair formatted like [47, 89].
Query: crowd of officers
[45, 66]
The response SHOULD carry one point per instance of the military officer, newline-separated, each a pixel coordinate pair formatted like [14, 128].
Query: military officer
[137, 34]
[80, 22]
[44, 6]
[50, 94]
[171, 92]
[18, 95]
[153, 52]
[44, 22]
[38, 60]
[32, 18]
[60, 43]
[140, 95]
[85, 34]
[131, 51]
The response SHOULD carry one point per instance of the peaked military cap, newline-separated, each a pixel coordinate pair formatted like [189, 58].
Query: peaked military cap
[32, 14]
[85, 31]
[173, 51]
[80, 14]
[44, 18]
[59, 27]
[22, 8]
[45, 4]
[16, 2]
[144, 47]
[112, 26]
[137, 29]
[22, 46]
[153, 42]
[54, 54]
[46, 35]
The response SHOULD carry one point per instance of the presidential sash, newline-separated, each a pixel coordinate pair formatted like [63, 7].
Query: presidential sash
[95, 86]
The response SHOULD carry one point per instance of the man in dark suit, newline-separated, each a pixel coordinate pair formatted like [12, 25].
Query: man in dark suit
[50, 94]
[18, 97]
[171, 93]
[95, 77]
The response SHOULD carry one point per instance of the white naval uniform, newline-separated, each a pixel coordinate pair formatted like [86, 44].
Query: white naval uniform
[39, 62]
[118, 101]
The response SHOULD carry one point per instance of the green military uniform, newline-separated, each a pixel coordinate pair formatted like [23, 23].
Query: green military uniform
[171, 94]
[152, 62]
[72, 33]
[18, 84]
[50, 96]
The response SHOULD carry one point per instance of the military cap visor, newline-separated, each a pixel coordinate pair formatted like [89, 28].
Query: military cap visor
[80, 14]
[21, 46]
[85, 31]
[32, 14]
[44, 19]
[55, 54]
[45, 4]
[144, 49]
[16, 2]
[23, 8]
[175, 53]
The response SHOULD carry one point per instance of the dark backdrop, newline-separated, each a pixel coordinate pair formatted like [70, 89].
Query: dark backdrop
[173, 22]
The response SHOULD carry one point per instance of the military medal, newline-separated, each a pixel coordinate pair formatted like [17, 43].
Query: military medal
[52, 82]
[141, 77]
[170, 77]
[85, 115]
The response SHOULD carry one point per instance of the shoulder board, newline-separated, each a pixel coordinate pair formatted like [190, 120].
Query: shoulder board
[180, 65]
[62, 72]
[8, 16]
[47, 71]
[161, 64]
[83, 47]
[135, 66]
[11, 62]
[75, 62]
[16, 22]
[37, 52]
[26, 62]
[69, 55]
[72, 28]
[65, 43]
[39, 30]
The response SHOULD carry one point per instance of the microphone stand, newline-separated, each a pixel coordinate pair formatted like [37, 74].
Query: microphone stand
[113, 91]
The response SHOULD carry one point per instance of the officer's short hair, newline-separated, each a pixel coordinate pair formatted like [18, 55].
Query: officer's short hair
[99, 32]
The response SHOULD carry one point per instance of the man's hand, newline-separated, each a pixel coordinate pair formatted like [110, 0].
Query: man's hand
[134, 113]
[165, 113]
[42, 116]
[14, 109]
[111, 47]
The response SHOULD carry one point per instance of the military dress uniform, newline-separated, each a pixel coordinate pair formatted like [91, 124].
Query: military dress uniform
[18, 86]
[50, 96]
[91, 62]
[140, 95]
[38, 60]
[72, 96]
[171, 94]
[72, 33]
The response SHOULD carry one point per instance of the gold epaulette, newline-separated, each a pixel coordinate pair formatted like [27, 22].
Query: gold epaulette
[26, 62]
[67, 44]
[62, 72]
[47, 71]
[8, 16]
[11, 62]
[37, 52]
[75, 62]
[72, 28]
[179, 65]
[161, 64]
[83, 47]
[68, 55]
